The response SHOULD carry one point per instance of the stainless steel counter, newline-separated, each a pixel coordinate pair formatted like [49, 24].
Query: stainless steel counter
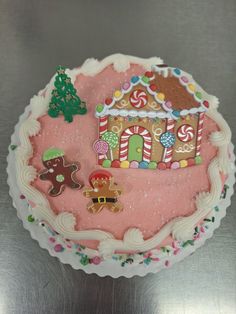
[36, 36]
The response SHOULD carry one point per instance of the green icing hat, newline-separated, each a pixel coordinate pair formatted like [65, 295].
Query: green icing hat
[52, 153]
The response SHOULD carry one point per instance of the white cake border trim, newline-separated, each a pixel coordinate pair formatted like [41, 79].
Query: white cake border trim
[64, 223]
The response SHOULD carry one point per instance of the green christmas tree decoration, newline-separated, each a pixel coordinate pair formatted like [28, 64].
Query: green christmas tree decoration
[64, 99]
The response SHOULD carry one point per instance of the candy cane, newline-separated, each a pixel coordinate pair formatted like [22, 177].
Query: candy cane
[147, 144]
[103, 125]
[124, 142]
[168, 151]
[199, 132]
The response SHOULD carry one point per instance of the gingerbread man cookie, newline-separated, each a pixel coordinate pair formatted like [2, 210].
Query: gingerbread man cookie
[104, 192]
[59, 172]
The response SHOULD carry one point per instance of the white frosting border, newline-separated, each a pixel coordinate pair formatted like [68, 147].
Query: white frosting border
[181, 228]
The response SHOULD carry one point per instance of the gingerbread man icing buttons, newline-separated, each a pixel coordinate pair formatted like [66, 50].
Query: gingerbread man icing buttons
[103, 192]
[58, 172]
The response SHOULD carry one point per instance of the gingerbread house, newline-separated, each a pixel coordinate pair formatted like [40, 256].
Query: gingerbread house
[153, 121]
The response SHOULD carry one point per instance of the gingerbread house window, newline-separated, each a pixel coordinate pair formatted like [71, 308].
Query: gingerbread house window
[153, 121]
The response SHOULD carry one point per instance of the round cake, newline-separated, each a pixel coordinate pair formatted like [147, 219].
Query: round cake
[122, 166]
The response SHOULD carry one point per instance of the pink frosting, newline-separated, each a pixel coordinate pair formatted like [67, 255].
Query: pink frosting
[151, 198]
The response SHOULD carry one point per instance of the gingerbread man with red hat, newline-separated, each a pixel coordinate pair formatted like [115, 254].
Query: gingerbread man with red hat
[103, 192]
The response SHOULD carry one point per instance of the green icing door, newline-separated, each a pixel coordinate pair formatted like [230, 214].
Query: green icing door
[135, 148]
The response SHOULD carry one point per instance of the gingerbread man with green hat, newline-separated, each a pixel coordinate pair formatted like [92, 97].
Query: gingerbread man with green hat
[58, 172]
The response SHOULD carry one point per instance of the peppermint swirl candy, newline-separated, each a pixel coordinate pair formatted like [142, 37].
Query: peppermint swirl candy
[138, 98]
[185, 133]
[100, 147]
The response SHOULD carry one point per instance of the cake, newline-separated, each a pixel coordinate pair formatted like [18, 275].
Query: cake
[121, 165]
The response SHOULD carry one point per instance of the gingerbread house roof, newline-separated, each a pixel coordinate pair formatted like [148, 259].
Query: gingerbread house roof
[173, 94]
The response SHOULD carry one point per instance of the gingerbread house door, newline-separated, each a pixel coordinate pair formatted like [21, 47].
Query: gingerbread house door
[135, 144]
[135, 151]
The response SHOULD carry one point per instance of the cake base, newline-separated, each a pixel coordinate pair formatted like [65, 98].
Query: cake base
[113, 268]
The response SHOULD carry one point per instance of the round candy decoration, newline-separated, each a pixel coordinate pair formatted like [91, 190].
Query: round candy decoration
[112, 139]
[99, 108]
[167, 139]
[185, 133]
[138, 98]
[101, 147]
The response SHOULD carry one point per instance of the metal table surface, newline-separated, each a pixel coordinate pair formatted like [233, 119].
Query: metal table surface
[36, 36]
